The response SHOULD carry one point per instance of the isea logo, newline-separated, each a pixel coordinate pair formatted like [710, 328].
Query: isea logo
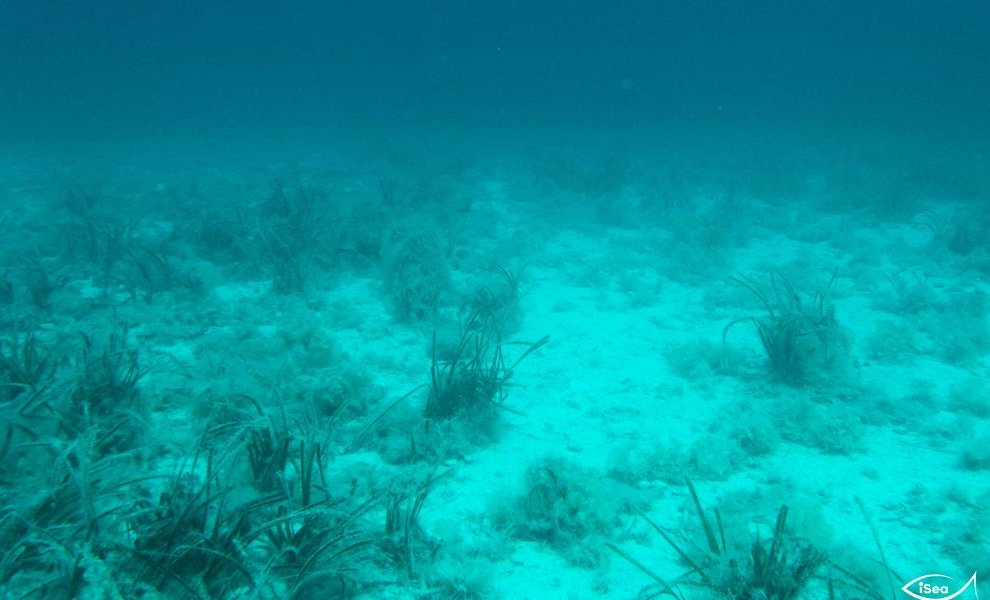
[936, 586]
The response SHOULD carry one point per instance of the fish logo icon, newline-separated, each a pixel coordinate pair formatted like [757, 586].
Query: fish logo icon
[935, 586]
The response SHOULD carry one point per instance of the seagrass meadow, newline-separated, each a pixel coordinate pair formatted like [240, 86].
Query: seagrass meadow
[463, 301]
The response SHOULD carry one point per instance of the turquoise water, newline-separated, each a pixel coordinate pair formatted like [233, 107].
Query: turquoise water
[494, 300]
